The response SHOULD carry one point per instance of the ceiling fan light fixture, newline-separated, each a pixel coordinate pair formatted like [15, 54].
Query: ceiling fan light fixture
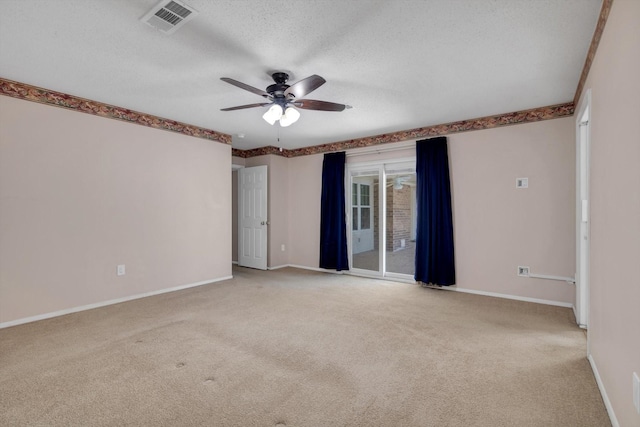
[290, 116]
[283, 97]
[273, 114]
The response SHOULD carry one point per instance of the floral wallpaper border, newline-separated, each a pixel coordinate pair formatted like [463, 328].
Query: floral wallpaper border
[261, 151]
[44, 96]
[595, 41]
[518, 117]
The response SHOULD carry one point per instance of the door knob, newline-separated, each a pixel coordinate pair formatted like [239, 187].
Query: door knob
[262, 223]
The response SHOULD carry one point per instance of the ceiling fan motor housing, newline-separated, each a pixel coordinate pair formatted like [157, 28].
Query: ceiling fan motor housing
[277, 89]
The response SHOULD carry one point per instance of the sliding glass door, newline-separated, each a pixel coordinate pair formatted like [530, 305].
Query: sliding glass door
[382, 207]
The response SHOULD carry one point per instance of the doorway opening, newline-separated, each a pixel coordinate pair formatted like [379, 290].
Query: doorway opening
[382, 208]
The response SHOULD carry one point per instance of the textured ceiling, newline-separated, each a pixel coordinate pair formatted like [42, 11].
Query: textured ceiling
[400, 64]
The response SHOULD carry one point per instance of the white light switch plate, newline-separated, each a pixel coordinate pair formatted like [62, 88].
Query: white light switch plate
[121, 271]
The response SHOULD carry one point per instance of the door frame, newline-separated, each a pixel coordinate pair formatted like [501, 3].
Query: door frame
[381, 167]
[583, 220]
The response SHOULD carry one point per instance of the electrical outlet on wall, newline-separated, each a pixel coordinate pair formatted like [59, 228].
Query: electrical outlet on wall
[523, 271]
[522, 182]
[282, 248]
[120, 271]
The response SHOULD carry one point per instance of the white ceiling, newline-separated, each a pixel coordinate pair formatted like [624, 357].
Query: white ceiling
[400, 64]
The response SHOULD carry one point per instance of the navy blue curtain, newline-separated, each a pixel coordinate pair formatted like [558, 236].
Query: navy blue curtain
[434, 234]
[333, 227]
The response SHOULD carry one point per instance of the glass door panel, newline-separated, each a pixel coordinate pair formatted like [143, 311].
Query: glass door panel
[400, 220]
[365, 220]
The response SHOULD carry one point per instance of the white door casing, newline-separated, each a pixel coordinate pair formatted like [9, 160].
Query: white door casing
[252, 217]
[582, 211]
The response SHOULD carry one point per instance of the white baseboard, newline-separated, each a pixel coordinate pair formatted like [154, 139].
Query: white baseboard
[234, 262]
[603, 392]
[507, 296]
[105, 303]
[575, 314]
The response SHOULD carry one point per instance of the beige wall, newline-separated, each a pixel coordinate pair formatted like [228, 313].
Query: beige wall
[497, 227]
[237, 161]
[278, 211]
[614, 321]
[80, 194]
[304, 210]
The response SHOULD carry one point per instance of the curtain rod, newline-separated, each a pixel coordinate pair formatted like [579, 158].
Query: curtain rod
[375, 150]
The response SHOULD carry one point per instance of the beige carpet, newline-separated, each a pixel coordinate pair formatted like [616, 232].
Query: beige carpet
[297, 348]
[401, 261]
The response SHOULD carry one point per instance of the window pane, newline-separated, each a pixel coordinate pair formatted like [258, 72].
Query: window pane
[366, 218]
[364, 195]
[354, 219]
[354, 194]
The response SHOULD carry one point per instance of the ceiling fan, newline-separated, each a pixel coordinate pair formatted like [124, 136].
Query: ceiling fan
[400, 181]
[283, 97]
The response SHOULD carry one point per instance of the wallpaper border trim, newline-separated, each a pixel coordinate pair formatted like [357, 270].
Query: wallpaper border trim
[489, 122]
[35, 94]
[595, 41]
[58, 99]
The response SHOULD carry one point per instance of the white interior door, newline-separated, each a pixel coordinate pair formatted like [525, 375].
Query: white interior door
[252, 217]
[583, 214]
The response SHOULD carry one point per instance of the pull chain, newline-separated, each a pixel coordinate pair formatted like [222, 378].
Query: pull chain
[279, 139]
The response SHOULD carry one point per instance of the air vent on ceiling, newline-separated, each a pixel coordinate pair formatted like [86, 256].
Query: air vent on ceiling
[169, 15]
